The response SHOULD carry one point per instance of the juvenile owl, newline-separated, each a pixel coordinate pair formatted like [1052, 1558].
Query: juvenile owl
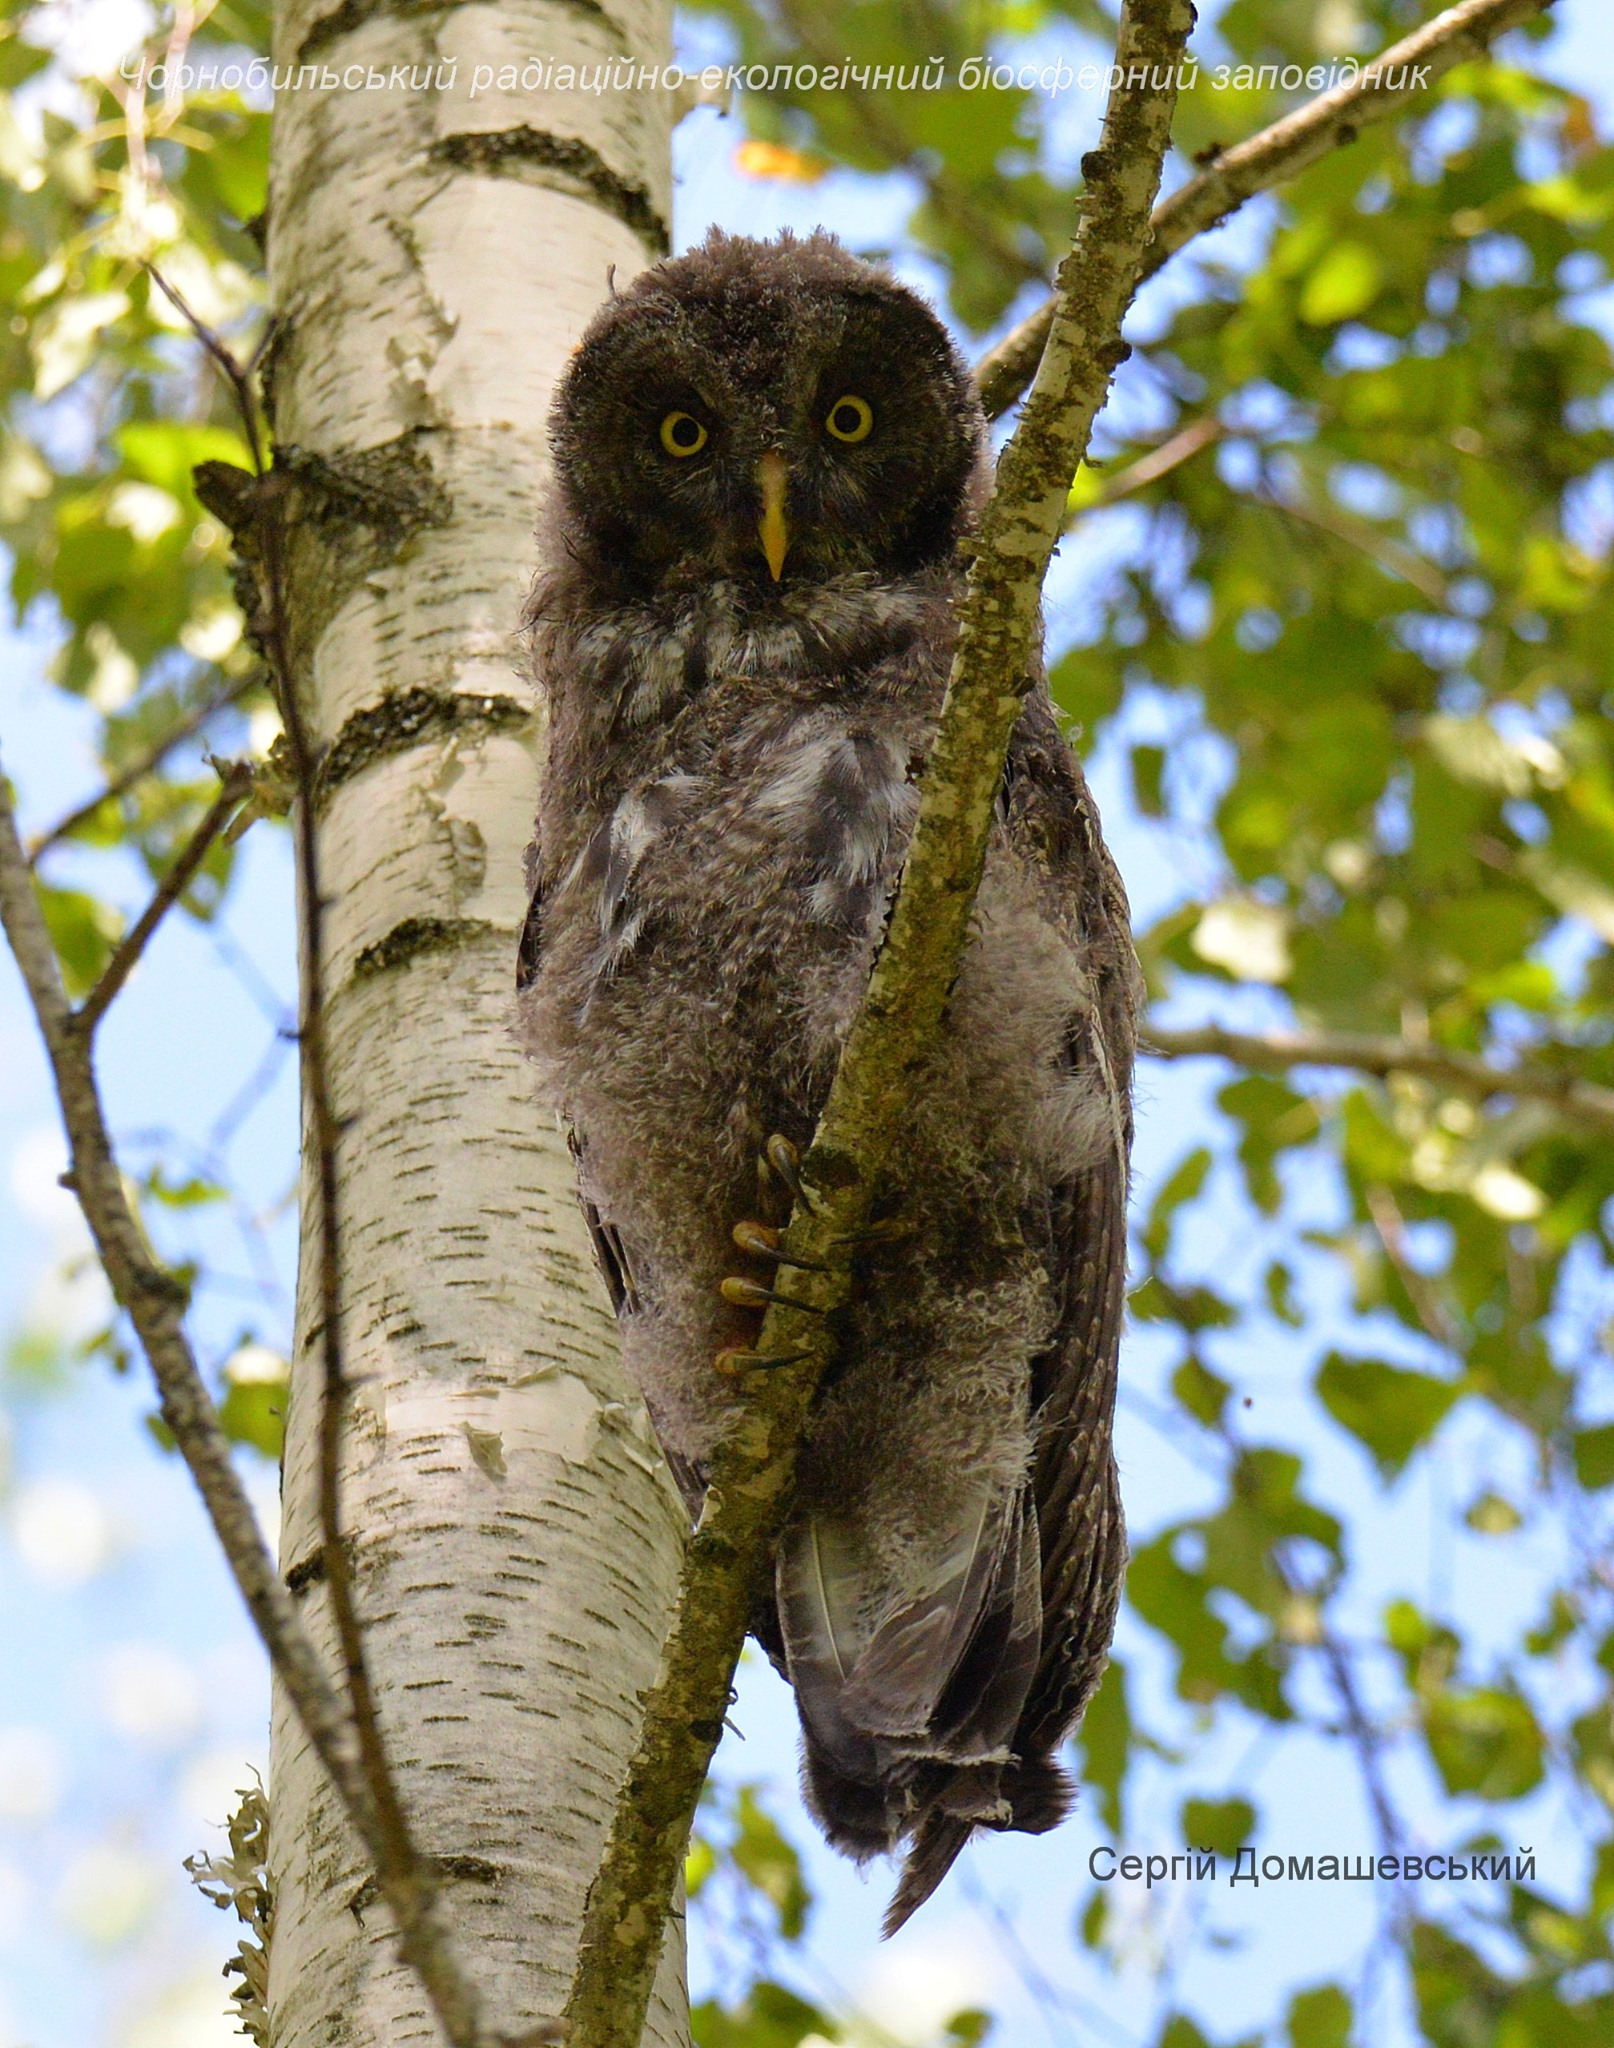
[766, 456]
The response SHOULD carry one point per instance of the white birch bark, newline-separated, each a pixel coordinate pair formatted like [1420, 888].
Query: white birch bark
[433, 256]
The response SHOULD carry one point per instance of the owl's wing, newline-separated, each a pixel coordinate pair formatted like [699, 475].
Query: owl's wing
[530, 949]
[616, 1270]
[1080, 1228]
[1074, 1483]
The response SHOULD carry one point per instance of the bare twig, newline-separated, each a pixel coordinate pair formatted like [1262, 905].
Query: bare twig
[154, 1300]
[234, 373]
[1366, 1738]
[173, 885]
[950, 199]
[1389, 555]
[1329, 122]
[1577, 1100]
[1392, 1232]
[404, 1875]
[1149, 468]
[895, 1030]
[145, 763]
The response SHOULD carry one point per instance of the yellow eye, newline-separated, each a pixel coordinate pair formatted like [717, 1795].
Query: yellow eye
[682, 434]
[850, 419]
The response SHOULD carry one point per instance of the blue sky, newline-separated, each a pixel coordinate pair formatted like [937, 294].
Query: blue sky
[132, 1695]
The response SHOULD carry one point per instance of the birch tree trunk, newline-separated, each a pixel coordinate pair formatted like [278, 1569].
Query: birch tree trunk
[514, 1538]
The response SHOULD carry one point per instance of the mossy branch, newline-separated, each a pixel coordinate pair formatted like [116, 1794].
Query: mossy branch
[1329, 122]
[890, 1039]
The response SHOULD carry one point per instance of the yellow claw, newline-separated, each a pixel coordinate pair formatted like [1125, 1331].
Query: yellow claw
[774, 530]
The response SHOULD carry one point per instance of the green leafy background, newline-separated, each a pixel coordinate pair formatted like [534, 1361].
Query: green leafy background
[1342, 673]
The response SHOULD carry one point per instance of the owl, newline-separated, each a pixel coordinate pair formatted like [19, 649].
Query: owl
[768, 462]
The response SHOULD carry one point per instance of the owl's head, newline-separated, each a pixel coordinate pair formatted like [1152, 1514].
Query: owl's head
[768, 412]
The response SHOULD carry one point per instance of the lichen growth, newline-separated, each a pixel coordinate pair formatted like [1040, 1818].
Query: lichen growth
[239, 1882]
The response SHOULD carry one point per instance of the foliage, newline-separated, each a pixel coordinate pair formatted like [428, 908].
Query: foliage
[106, 405]
[1353, 650]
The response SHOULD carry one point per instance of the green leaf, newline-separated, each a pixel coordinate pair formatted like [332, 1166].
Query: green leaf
[1181, 1186]
[1486, 1742]
[165, 452]
[969, 2027]
[1320, 2018]
[769, 2016]
[84, 931]
[1106, 1740]
[1491, 1515]
[1148, 771]
[1224, 1825]
[1180, 2032]
[1388, 1408]
[254, 1412]
[770, 1863]
[1202, 1392]
[1594, 1455]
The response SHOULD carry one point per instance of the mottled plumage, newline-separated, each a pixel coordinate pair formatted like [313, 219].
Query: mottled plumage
[765, 456]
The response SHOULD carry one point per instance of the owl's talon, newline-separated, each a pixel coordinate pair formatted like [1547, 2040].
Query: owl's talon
[752, 1294]
[734, 1359]
[762, 1241]
[785, 1160]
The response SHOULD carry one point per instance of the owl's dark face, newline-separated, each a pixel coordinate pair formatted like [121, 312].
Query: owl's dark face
[766, 412]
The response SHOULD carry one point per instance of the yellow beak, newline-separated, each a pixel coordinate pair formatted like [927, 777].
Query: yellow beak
[774, 532]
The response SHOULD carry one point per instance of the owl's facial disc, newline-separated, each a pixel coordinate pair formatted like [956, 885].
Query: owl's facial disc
[773, 479]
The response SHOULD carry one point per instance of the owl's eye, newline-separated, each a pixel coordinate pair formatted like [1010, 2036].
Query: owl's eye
[682, 434]
[850, 419]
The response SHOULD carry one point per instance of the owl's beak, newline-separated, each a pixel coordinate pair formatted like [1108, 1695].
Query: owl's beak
[774, 531]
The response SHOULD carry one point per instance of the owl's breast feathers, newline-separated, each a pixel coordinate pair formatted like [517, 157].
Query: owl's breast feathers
[727, 807]
[760, 770]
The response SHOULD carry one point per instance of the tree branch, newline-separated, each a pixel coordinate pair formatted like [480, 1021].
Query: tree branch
[1580, 1101]
[155, 1302]
[173, 885]
[1389, 555]
[1276, 153]
[950, 199]
[1154, 464]
[406, 1878]
[144, 763]
[894, 1032]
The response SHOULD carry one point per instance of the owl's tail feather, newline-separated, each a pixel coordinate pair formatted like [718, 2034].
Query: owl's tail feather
[1039, 1792]
[936, 1844]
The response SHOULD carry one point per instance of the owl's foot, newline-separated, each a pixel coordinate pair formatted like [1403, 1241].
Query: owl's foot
[762, 1241]
[752, 1294]
[782, 1161]
[733, 1359]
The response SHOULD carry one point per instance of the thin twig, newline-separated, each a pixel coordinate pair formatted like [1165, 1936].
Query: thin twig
[950, 199]
[1329, 122]
[1389, 555]
[154, 1301]
[1392, 1233]
[1156, 463]
[1576, 1099]
[233, 372]
[894, 1032]
[144, 763]
[1366, 1737]
[404, 1875]
[168, 892]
